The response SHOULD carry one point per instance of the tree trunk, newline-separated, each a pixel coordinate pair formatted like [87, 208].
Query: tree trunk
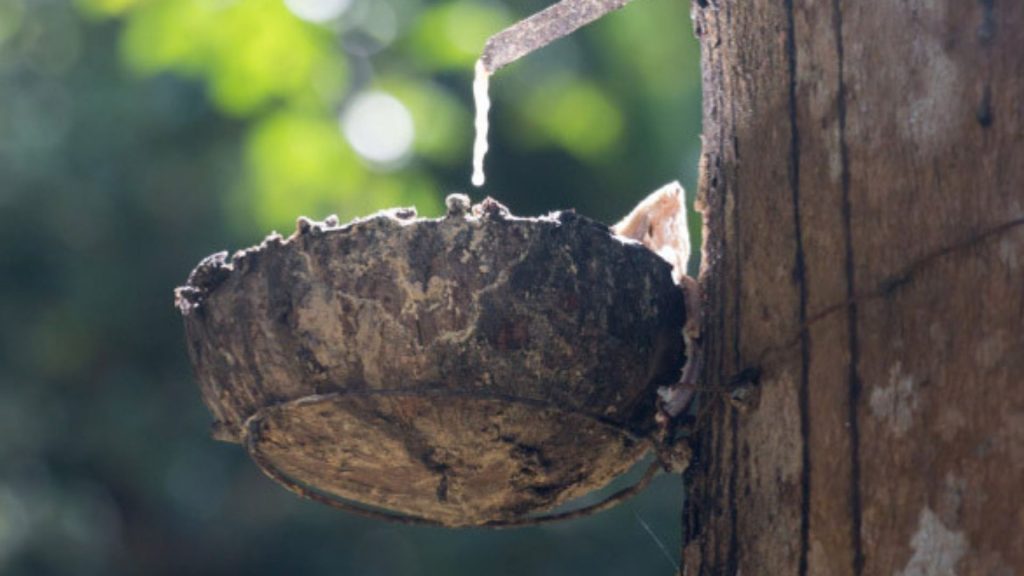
[864, 182]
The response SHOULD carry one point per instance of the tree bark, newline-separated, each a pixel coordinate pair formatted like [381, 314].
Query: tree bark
[863, 175]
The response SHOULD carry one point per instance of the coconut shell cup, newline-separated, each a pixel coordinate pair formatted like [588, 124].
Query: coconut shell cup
[476, 369]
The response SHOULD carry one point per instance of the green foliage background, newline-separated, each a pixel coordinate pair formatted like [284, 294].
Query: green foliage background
[137, 136]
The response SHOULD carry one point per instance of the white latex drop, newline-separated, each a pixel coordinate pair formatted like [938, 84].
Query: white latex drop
[483, 105]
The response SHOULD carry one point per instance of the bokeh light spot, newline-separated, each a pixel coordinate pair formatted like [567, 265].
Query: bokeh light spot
[318, 11]
[379, 128]
[370, 26]
[440, 119]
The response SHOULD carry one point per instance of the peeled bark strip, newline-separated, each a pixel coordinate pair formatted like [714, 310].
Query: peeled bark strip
[864, 175]
[537, 31]
[467, 370]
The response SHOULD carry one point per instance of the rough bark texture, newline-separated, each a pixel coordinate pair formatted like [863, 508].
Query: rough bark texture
[467, 370]
[864, 178]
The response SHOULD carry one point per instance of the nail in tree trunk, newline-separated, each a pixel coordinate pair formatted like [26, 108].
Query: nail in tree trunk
[864, 176]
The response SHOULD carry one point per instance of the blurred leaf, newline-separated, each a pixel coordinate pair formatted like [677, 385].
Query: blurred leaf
[576, 115]
[169, 35]
[51, 39]
[650, 47]
[410, 189]
[451, 35]
[11, 14]
[262, 51]
[104, 8]
[249, 53]
[298, 164]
